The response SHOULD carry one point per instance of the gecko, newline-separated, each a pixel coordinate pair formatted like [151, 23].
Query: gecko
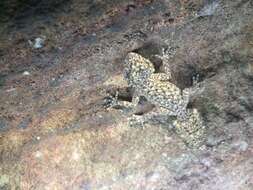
[158, 89]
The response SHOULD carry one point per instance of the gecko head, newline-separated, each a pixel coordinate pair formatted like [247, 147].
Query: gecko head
[136, 65]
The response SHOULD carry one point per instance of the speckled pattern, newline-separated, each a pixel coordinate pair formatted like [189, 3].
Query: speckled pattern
[157, 89]
[191, 130]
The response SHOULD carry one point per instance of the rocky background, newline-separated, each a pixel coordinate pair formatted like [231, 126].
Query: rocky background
[60, 59]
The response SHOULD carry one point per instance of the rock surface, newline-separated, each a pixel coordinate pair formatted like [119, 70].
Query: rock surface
[56, 130]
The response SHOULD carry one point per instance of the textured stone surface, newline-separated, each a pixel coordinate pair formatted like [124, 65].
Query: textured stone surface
[56, 130]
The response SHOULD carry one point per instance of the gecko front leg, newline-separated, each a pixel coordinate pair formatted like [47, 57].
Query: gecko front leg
[135, 99]
[136, 119]
[188, 92]
[115, 102]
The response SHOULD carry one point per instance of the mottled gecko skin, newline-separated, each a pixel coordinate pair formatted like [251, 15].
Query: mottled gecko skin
[191, 130]
[158, 90]
[156, 87]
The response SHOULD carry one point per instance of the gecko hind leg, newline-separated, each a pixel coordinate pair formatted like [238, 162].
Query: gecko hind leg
[155, 117]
